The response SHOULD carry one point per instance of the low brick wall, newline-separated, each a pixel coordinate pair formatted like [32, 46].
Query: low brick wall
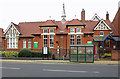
[115, 55]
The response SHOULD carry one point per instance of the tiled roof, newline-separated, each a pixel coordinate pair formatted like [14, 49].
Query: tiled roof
[101, 38]
[17, 27]
[116, 23]
[29, 28]
[49, 23]
[75, 22]
[33, 28]
[90, 26]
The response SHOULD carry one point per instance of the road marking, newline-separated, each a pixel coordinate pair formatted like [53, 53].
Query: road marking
[9, 68]
[70, 71]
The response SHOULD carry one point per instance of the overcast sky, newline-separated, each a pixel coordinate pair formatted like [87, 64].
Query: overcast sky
[39, 10]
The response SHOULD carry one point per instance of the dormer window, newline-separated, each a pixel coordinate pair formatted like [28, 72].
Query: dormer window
[72, 30]
[78, 30]
[45, 31]
[51, 30]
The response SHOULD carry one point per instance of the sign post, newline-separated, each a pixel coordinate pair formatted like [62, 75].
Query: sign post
[58, 53]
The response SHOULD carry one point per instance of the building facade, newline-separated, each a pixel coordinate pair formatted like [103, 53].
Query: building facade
[53, 34]
[1, 34]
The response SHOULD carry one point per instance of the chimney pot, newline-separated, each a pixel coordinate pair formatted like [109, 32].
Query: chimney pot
[107, 15]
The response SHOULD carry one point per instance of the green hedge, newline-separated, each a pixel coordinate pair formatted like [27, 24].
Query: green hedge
[106, 55]
[29, 53]
[23, 53]
[8, 54]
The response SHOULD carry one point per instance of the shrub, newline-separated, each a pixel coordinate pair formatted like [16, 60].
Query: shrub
[106, 55]
[50, 53]
[8, 54]
[24, 53]
[36, 54]
[29, 53]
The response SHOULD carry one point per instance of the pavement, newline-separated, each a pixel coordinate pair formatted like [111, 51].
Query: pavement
[59, 61]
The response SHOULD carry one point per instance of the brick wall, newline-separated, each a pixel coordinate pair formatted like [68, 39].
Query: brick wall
[97, 32]
[1, 33]
[115, 55]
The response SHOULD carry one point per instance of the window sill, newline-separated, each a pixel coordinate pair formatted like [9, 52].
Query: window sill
[51, 47]
[12, 48]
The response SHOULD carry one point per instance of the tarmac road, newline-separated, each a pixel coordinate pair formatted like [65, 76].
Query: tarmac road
[16, 69]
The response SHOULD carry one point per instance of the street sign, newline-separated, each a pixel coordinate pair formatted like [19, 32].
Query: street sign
[89, 42]
[35, 44]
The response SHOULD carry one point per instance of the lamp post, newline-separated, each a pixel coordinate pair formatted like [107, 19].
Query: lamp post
[57, 50]
[58, 53]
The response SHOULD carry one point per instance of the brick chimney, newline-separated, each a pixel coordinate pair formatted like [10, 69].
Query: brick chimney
[107, 15]
[83, 16]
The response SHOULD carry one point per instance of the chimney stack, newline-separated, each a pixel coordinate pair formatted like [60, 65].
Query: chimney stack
[107, 15]
[83, 15]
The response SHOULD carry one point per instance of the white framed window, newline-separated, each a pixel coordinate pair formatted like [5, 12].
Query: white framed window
[51, 30]
[101, 33]
[72, 39]
[16, 43]
[45, 40]
[29, 43]
[51, 41]
[45, 31]
[78, 39]
[78, 30]
[7, 42]
[72, 30]
[24, 43]
[12, 38]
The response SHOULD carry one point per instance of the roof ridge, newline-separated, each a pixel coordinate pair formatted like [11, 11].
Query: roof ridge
[32, 22]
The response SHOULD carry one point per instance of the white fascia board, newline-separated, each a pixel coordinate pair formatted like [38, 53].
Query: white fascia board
[9, 28]
[104, 23]
[96, 16]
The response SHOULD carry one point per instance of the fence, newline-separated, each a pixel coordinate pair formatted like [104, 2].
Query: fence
[12, 53]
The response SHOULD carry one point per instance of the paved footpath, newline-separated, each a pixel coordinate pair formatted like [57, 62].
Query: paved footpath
[58, 61]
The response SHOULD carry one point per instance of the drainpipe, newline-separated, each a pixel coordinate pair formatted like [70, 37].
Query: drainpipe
[103, 48]
[4, 44]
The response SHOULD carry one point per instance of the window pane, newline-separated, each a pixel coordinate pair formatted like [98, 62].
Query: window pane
[101, 33]
[78, 29]
[72, 30]
[29, 43]
[51, 41]
[51, 30]
[45, 31]
[24, 43]
[78, 39]
[45, 40]
[72, 40]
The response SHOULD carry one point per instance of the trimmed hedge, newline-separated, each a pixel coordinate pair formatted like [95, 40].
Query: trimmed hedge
[29, 53]
[8, 54]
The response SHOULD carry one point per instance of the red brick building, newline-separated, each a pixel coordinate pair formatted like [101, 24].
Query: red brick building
[1, 34]
[36, 35]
